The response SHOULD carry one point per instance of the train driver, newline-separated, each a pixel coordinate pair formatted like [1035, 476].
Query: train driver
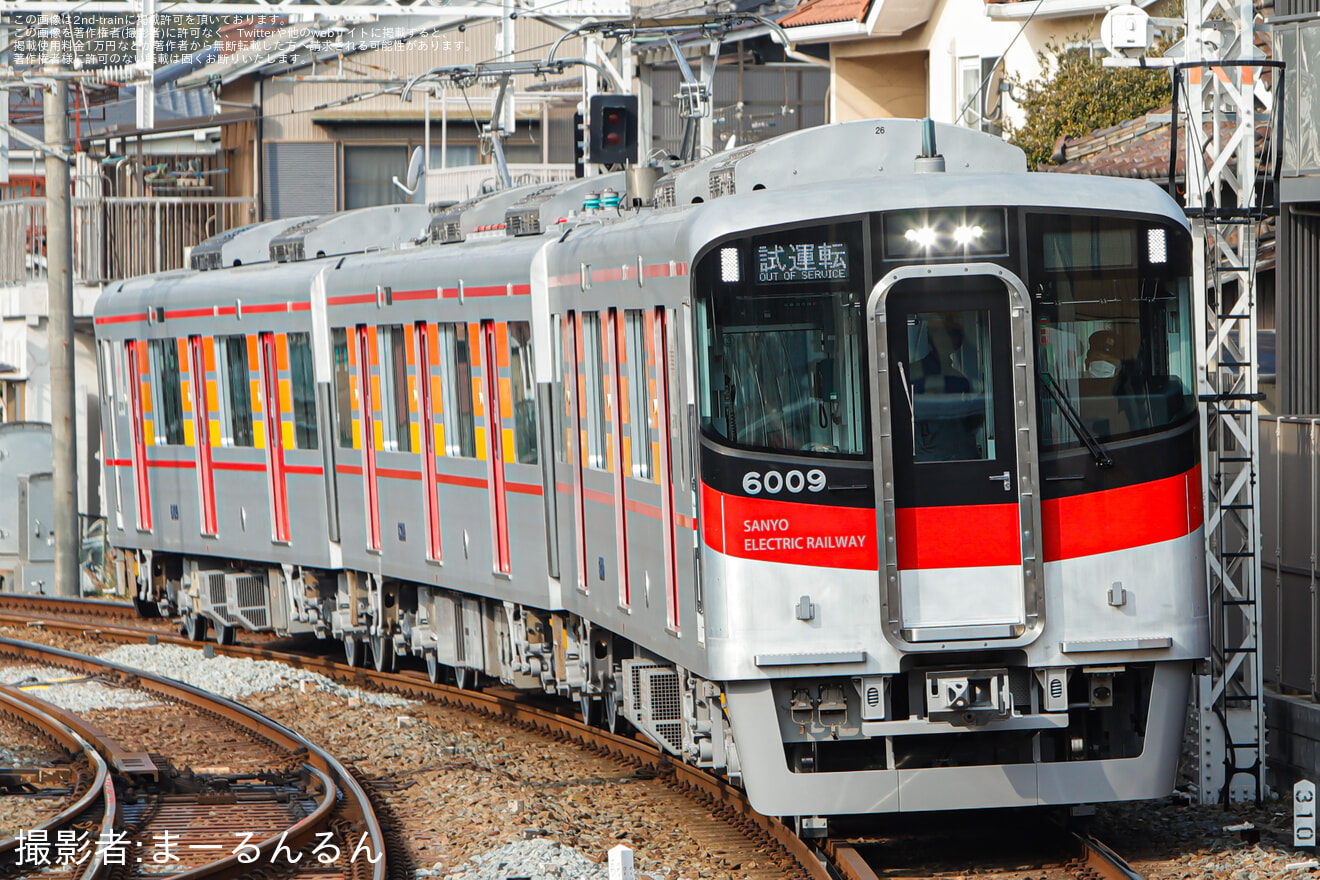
[948, 410]
[1102, 359]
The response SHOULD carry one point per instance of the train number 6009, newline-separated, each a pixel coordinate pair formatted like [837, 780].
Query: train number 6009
[773, 482]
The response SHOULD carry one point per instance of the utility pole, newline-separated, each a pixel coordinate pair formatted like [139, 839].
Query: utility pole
[59, 292]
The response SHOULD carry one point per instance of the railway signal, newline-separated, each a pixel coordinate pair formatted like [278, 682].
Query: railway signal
[613, 129]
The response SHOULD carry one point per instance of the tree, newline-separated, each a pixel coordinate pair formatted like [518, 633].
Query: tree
[1075, 95]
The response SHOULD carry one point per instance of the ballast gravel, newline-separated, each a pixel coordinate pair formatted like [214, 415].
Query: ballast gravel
[538, 858]
[236, 677]
[73, 692]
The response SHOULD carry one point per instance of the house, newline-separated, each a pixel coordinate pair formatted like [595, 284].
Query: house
[948, 59]
[334, 132]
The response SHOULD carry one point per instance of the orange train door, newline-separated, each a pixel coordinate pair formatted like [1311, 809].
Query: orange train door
[368, 403]
[666, 369]
[201, 406]
[495, 446]
[573, 400]
[427, 357]
[614, 356]
[136, 350]
[279, 491]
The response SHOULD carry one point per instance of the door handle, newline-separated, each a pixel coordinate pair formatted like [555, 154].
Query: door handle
[1006, 477]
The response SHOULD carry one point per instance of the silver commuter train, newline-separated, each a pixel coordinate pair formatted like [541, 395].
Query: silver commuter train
[864, 476]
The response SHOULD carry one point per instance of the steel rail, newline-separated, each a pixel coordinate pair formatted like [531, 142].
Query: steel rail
[54, 722]
[1103, 861]
[719, 793]
[99, 608]
[324, 768]
[1094, 861]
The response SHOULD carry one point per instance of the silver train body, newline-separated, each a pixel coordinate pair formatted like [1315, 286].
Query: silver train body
[869, 483]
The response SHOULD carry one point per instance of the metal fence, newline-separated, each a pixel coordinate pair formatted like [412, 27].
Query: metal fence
[1290, 542]
[115, 238]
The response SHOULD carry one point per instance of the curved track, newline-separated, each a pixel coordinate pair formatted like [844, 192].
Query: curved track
[1089, 859]
[94, 805]
[338, 804]
[769, 837]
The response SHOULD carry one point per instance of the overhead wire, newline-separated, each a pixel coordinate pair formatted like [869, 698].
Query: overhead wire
[362, 96]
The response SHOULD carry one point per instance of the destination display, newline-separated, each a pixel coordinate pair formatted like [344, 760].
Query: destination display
[807, 261]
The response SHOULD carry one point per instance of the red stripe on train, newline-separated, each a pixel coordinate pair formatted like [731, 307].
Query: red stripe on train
[951, 537]
[783, 531]
[958, 537]
[1102, 522]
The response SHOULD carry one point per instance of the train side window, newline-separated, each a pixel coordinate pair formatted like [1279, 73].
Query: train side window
[168, 391]
[396, 422]
[561, 394]
[459, 417]
[594, 367]
[638, 392]
[105, 373]
[236, 391]
[304, 390]
[524, 392]
[343, 387]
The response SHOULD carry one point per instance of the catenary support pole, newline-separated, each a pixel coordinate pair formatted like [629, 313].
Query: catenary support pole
[59, 290]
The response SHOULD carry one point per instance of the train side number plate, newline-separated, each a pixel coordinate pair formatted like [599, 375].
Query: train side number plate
[1304, 813]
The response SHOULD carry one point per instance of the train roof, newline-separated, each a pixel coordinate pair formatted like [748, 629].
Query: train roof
[932, 191]
[810, 176]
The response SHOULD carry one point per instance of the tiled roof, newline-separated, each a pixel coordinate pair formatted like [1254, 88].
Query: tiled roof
[826, 12]
[1136, 148]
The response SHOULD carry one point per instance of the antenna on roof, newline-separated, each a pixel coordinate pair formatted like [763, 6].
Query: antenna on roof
[414, 172]
[930, 159]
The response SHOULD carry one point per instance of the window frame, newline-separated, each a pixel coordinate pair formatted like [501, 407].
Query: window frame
[593, 372]
[302, 391]
[522, 393]
[458, 413]
[396, 413]
[167, 391]
[229, 437]
[640, 398]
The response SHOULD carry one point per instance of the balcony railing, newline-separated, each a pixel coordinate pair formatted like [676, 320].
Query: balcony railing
[462, 183]
[115, 238]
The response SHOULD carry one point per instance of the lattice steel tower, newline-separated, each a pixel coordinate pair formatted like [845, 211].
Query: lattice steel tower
[1229, 193]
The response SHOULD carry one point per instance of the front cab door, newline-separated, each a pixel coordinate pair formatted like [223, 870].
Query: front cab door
[956, 465]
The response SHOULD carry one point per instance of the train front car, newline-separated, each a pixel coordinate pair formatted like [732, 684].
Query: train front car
[951, 527]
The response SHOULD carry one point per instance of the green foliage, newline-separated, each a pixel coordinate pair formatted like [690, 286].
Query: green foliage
[1075, 95]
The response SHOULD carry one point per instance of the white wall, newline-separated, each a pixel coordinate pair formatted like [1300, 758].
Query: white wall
[961, 28]
[86, 401]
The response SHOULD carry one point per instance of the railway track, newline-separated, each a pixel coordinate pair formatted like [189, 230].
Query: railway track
[1087, 860]
[92, 803]
[301, 806]
[1016, 851]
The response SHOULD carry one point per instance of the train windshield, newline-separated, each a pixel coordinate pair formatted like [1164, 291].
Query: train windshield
[1114, 345]
[780, 319]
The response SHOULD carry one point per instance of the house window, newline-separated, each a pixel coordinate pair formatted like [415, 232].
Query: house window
[368, 175]
[980, 104]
